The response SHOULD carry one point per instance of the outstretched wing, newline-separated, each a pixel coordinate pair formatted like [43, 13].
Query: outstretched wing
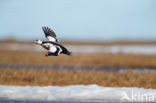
[49, 34]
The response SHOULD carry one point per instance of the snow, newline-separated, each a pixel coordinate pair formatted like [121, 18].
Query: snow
[78, 92]
[127, 49]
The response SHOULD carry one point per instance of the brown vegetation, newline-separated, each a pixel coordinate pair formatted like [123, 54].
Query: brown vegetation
[23, 57]
[67, 77]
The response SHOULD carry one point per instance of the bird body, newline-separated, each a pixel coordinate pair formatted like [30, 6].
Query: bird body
[46, 46]
[52, 45]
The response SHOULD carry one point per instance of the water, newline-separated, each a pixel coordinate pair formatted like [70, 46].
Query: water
[41, 101]
[75, 67]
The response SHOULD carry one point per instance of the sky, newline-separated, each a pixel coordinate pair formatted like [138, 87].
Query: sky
[99, 20]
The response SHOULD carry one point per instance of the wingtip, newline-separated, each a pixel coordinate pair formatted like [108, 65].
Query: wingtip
[43, 27]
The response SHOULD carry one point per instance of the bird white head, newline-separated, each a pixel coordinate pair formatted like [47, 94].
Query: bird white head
[38, 41]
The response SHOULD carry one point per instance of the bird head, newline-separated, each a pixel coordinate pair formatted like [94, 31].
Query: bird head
[38, 41]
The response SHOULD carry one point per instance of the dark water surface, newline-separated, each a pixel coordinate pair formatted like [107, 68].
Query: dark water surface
[38, 101]
[74, 67]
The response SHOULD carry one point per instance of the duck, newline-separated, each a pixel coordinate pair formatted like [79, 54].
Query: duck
[52, 44]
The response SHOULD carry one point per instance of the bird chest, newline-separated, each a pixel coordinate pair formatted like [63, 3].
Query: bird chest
[46, 46]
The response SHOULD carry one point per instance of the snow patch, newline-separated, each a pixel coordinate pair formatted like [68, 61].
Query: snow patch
[127, 49]
[77, 92]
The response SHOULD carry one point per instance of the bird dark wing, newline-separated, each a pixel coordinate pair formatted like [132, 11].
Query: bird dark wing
[49, 34]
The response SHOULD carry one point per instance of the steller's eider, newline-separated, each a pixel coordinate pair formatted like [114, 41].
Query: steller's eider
[52, 45]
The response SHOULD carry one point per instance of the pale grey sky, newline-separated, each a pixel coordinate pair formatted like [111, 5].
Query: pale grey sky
[79, 19]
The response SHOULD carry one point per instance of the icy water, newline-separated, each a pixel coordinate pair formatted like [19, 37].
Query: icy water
[74, 67]
[37, 101]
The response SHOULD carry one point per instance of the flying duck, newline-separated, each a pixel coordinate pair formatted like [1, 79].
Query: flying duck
[52, 45]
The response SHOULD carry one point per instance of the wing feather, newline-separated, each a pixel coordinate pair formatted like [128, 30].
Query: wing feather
[49, 34]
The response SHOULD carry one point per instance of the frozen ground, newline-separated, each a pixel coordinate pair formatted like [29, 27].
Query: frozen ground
[78, 92]
[128, 49]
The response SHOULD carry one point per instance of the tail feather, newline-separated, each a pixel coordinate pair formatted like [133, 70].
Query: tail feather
[65, 50]
[69, 53]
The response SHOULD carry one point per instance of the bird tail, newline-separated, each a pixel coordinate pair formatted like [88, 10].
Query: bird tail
[69, 53]
[65, 50]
